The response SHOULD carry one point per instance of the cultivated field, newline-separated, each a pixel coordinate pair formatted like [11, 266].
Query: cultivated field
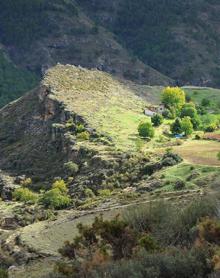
[199, 152]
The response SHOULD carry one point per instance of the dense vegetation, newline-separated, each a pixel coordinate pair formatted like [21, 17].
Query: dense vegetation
[148, 31]
[149, 241]
[14, 82]
[23, 21]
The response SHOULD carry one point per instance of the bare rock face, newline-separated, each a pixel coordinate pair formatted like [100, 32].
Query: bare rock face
[7, 186]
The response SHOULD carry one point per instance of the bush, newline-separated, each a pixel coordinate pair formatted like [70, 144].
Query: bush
[145, 129]
[25, 195]
[157, 120]
[61, 186]
[189, 110]
[26, 182]
[55, 199]
[179, 185]
[104, 192]
[211, 127]
[205, 102]
[170, 159]
[89, 193]
[176, 126]
[187, 126]
[80, 128]
[177, 263]
[71, 168]
[83, 136]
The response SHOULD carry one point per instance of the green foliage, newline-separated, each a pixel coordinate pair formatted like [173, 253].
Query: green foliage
[80, 128]
[25, 195]
[104, 192]
[26, 182]
[205, 102]
[61, 186]
[148, 243]
[14, 81]
[188, 110]
[187, 126]
[218, 155]
[31, 16]
[173, 97]
[71, 168]
[196, 122]
[210, 128]
[83, 136]
[176, 127]
[176, 263]
[55, 199]
[157, 120]
[151, 240]
[89, 193]
[145, 129]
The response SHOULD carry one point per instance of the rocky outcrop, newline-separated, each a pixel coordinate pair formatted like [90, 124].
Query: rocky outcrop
[7, 186]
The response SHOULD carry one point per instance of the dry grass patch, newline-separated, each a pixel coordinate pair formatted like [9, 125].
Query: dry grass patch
[199, 152]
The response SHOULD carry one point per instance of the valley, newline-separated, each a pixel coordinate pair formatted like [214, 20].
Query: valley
[71, 150]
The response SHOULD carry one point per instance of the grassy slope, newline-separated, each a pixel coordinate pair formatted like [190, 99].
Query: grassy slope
[106, 104]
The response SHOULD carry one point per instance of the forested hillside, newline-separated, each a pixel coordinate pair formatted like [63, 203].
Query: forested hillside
[148, 42]
[38, 34]
[178, 38]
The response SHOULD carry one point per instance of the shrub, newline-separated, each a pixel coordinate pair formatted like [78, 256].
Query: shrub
[211, 127]
[89, 193]
[80, 128]
[55, 199]
[104, 192]
[71, 168]
[83, 136]
[170, 159]
[26, 182]
[70, 123]
[157, 120]
[61, 186]
[189, 110]
[145, 129]
[187, 126]
[205, 102]
[25, 195]
[179, 184]
[196, 122]
[176, 263]
[176, 127]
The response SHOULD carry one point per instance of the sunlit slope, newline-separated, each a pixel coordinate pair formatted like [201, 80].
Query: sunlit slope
[106, 104]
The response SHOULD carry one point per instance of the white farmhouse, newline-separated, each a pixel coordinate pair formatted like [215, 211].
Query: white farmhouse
[152, 110]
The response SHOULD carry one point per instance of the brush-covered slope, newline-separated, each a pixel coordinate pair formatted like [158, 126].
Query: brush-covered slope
[39, 132]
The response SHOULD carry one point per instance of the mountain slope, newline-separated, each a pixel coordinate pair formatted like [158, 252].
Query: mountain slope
[40, 131]
[38, 34]
[178, 38]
